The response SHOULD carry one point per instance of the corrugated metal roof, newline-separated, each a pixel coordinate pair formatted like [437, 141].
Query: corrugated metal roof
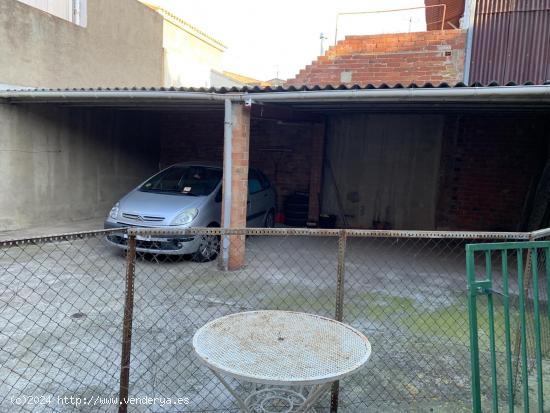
[182, 24]
[266, 89]
[245, 80]
[325, 99]
[511, 41]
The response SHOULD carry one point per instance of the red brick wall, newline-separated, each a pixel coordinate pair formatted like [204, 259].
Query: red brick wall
[488, 164]
[200, 137]
[435, 56]
[488, 161]
[289, 169]
[239, 183]
[191, 137]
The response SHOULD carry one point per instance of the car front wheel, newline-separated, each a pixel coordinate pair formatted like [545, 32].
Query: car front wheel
[209, 248]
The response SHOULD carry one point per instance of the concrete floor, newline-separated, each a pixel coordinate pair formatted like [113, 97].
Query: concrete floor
[58, 228]
[61, 308]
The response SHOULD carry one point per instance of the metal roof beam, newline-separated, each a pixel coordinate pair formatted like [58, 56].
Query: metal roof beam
[517, 94]
[539, 93]
[122, 96]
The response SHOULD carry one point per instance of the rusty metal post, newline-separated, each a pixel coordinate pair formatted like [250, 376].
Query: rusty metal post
[127, 325]
[339, 314]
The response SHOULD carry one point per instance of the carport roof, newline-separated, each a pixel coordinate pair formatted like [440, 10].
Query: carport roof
[264, 89]
[309, 98]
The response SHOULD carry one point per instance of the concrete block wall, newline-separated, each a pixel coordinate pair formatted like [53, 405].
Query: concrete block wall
[435, 56]
[61, 165]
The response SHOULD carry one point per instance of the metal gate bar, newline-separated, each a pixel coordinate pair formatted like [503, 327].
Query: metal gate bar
[485, 287]
[538, 352]
[507, 329]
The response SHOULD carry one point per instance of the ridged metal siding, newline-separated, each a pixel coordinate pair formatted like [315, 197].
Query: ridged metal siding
[511, 41]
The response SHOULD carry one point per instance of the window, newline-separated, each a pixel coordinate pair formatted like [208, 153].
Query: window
[265, 182]
[219, 196]
[70, 10]
[184, 180]
[254, 182]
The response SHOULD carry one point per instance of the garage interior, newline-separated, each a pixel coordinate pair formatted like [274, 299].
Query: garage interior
[427, 158]
[381, 161]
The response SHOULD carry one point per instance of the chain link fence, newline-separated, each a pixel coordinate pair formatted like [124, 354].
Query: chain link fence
[61, 300]
[544, 281]
[74, 308]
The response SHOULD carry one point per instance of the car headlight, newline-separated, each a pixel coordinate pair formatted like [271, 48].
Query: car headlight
[185, 217]
[114, 211]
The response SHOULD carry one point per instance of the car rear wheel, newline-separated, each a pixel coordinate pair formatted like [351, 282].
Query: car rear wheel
[270, 219]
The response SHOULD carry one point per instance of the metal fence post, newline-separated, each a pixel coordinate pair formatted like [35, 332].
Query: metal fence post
[127, 325]
[339, 313]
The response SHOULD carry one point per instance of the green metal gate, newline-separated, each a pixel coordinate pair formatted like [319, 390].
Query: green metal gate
[508, 296]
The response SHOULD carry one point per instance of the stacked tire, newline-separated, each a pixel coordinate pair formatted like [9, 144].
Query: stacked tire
[296, 209]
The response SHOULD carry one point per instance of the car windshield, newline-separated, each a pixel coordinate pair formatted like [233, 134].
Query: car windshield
[184, 180]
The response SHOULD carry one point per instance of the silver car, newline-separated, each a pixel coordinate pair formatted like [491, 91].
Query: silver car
[187, 195]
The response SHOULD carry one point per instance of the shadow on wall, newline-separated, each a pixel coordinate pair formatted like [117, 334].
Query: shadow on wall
[68, 164]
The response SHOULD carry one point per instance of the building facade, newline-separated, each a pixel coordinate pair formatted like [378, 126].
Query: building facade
[190, 56]
[74, 11]
[76, 43]
[121, 45]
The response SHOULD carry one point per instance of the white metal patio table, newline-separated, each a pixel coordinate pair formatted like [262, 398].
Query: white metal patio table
[293, 356]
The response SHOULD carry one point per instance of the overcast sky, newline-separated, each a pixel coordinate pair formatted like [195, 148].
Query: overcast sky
[266, 38]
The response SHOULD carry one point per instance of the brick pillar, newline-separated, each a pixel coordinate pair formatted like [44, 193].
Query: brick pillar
[239, 183]
[316, 170]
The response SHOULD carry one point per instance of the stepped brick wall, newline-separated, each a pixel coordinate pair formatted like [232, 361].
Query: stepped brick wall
[434, 56]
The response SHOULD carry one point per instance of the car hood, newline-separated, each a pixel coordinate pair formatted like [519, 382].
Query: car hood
[150, 204]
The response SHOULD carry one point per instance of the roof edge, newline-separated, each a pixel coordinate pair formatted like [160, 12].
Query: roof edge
[258, 95]
[486, 93]
[186, 26]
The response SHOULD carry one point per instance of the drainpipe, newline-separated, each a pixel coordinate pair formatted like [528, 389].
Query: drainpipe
[227, 161]
[469, 19]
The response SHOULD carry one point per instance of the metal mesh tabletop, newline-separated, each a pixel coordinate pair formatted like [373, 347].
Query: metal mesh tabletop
[281, 347]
